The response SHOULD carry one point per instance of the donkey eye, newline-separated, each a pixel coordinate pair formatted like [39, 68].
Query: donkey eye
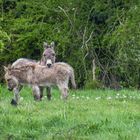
[53, 54]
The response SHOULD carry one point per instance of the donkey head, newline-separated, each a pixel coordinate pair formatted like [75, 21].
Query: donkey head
[48, 57]
[11, 81]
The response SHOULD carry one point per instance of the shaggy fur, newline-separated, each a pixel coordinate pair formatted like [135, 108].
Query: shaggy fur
[37, 75]
[47, 59]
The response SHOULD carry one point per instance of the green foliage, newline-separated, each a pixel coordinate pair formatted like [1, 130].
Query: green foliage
[4, 39]
[83, 30]
[93, 84]
[87, 114]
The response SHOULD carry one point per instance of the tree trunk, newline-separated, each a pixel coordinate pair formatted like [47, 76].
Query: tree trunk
[93, 69]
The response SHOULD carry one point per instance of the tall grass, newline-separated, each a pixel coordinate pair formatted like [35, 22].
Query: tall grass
[87, 115]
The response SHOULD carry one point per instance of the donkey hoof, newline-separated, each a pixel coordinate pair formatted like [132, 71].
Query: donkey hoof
[37, 98]
[49, 99]
[13, 102]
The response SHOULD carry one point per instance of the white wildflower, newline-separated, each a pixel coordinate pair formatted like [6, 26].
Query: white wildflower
[124, 101]
[21, 98]
[130, 97]
[82, 96]
[77, 97]
[109, 98]
[124, 96]
[87, 98]
[116, 97]
[97, 98]
[118, 94]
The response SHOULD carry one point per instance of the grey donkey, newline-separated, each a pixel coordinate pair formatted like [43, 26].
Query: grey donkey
[39, 76]
[47, 59]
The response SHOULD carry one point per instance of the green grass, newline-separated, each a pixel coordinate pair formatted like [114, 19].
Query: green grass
[86, 115]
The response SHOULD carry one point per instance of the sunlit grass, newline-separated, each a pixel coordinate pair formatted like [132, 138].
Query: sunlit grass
[87, 114]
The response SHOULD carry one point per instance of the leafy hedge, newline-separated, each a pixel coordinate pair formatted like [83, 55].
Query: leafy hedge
[107, 31]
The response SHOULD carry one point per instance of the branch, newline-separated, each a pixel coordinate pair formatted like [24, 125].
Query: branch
[66, 15]
[89, 37]
[85, 30]
[93, 69]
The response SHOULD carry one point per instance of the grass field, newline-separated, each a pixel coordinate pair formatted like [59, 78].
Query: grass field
[87, 115]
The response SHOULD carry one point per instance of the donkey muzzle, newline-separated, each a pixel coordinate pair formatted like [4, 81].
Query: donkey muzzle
[49, 62]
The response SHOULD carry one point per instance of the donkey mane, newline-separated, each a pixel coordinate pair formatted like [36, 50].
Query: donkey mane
[23, 68]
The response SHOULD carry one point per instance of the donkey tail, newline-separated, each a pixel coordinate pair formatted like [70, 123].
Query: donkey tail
[72, 78]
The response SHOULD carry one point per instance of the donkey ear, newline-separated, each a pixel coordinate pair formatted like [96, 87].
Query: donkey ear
[45, 45]
[5, 68]
[52, 45]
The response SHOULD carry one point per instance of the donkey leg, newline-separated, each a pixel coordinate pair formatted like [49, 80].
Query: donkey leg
[16, 96]
[48, 93]
[41, 92]
[20, 88]
[36, 92]
[64, 92]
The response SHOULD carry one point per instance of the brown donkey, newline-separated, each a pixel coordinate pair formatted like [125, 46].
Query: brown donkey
[38, 76]
[47, 59]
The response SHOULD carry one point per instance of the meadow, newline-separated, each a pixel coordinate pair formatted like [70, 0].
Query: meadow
[86, 115]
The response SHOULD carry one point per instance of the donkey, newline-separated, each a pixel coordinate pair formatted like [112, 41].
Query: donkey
[48, 58]
[38, 76]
